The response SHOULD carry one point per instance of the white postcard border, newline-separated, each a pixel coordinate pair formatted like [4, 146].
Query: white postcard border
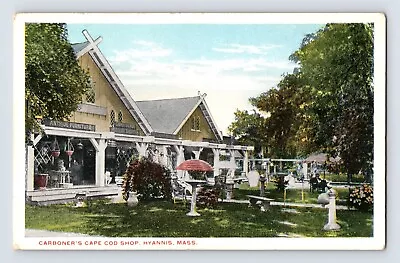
[376, 242]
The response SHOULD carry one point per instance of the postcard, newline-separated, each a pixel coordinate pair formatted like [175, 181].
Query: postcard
[199, 131]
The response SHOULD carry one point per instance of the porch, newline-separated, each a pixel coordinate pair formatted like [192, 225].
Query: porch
[67, 195]
[78, 161]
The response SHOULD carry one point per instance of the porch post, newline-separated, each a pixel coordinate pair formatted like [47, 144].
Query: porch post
[30, 159]
[180, 157]
[100, 162]
[141, 147]
[197, 153]
[216, 162]
[232, 163]
[246, 163]
[163, 155]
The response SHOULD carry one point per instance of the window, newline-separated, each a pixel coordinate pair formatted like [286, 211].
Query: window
[195, 123]
[90, 93]
[112, 118]
[120, 116]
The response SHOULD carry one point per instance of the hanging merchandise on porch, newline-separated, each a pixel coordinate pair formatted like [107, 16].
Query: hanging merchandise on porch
[79, 145]
[70, 148]
[55, 148]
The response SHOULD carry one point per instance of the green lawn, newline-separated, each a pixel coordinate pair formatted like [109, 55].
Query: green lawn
[165, 219]
[356, 178]
[292, 195]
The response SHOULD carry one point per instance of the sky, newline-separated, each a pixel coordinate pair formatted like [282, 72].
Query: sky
[228, 62]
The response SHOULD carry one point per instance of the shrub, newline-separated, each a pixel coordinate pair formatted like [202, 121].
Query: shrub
[207, 197]
[197, 175]
[362, 198]
[149, 179]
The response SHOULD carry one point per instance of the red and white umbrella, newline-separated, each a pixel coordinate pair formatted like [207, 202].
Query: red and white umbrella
[195, 165]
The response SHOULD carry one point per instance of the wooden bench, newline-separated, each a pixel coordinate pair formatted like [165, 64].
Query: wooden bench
[265, 202]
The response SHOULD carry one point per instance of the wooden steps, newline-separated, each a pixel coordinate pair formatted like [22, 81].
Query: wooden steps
[66, 195]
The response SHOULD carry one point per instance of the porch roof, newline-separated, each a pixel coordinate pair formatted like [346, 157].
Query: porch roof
[135, 138]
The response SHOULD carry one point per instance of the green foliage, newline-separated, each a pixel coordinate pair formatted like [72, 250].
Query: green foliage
[325, 105]
[54, 82]
[338, 66]
[249, 129]
[197, 175]
[149, 179]
[362, 198]
[208, 197]
[288, 128]
[356, 178]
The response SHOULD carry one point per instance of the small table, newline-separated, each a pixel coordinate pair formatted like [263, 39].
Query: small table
[194, 184]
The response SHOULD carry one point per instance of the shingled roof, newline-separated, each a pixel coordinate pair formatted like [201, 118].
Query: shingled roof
[166, 115]
[79, 46]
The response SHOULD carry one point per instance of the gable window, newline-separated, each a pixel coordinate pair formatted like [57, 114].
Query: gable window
[120, 116]
[112, 118]
[90, 93]
[195, 123]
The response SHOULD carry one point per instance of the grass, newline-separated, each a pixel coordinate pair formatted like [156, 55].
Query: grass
[292, 195]
[165, 219]
[356, 178]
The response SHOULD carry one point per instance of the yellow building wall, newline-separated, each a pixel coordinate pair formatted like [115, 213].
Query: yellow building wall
[106, 97]
[187, 133]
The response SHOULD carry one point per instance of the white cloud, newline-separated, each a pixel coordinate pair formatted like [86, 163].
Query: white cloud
[247, 49]
[228, 82]
[140, 50]
[240, 64]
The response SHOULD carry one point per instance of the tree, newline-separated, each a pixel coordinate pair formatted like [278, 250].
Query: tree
[54, 82]
[249, 128]
[287, 128]
[326, 105]
[337, 63]
[285, 131]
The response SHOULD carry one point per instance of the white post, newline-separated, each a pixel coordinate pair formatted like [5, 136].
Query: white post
[163, 153]
[193, 211]
[100, 162]
[30, 173]
[197, 153]
[216, 162]
[232, 164]
[246, 163]
[180, 158]
[305, 170]
[332, 225]
[141, 148]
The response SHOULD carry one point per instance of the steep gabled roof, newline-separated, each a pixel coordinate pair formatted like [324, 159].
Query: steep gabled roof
[166, 115]
[90, 46]
[169, 115]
